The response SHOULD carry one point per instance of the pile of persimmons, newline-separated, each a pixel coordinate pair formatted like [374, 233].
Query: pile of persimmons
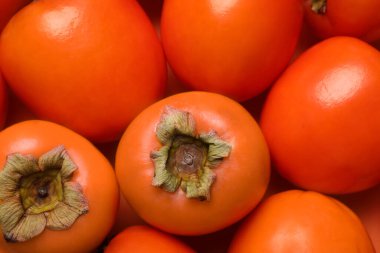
[190, 126]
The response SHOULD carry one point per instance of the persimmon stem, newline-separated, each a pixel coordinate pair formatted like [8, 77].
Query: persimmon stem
[43, 191]
[186, 158]
[36, 194]
[319, 6]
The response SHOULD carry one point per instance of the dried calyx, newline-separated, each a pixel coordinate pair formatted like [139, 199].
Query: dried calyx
[37, 193]
[186, 158]
[319, 6]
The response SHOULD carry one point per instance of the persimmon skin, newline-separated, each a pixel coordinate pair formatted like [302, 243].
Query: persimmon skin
[359, 19]
[301, 221]
[235, 48]
[94, 174]
[321, 118]
[241, 178]
[91, 66]
[145, 239]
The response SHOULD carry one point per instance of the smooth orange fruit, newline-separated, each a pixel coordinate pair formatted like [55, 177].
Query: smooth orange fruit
[91, 66]
[321, 119]
[301, 221]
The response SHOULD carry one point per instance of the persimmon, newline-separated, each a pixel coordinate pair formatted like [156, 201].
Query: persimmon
[193, 163]
[58, 192]
[328, 18]
[235, 48]
[145, 239]
[322, 116]
[301, 221]
[89, 65]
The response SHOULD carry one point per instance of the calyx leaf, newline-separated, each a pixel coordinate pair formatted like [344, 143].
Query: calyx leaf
[38, 193]
[186, 158]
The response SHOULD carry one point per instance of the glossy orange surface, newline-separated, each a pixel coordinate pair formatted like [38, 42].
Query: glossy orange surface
[241, 178]
[232, 47]
[94, 174]
[346, 17]
[299, 221]
[81, 68]
[144, 239]
[322, 117]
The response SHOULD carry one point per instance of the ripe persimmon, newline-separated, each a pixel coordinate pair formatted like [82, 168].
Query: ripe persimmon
[58, 192]
[321, 119]
[328, 18]
[193, 163]
[90, 65]
[301, 221]
[145, 239]
[235, 48]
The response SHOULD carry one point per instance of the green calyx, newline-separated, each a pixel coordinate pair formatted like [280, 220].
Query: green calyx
[186, 158]
[38, 194]
[319, 6]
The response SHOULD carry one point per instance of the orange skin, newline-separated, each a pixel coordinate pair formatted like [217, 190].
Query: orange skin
[144, 239]
[234, 48]
[153, 9]
[8, 8]
[89, 65]
[255, 105]
[94, 173]
[321, 118]
[299, 221]
[241, 178]
[346, 17]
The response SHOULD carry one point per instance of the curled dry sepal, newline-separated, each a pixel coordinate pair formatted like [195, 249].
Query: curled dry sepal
[186, 158]
[319, 6]
[37, 193]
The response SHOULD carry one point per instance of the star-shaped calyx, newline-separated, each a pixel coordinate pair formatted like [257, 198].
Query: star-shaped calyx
[38, 194]
[186, 158]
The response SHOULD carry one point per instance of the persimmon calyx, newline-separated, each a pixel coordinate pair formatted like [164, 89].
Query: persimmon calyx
[37, 193]
[186, 158]
[319, 6]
